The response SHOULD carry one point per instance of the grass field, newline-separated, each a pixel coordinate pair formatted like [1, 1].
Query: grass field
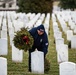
[22, 68]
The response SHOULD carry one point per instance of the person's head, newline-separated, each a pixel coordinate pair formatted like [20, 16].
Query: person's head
[40, 30]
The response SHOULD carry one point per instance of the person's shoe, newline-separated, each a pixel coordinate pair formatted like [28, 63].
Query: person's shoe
[29, 70]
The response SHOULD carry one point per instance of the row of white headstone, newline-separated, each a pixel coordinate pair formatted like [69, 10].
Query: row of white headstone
[37, 61]
[61, 48]
[3, 35]
[62, 55]
[65, 67]
[18, 20]
[62, 22]
[47, 23]
[69, 17]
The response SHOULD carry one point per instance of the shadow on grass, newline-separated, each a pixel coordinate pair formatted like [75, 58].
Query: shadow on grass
[46, 66]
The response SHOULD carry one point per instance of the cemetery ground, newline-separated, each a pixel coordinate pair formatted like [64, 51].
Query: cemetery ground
[22, 68]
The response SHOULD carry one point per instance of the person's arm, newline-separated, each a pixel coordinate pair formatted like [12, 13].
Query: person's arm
[32, 31]
[45, 45]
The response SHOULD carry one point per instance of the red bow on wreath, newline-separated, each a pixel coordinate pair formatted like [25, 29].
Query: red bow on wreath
[26, 39]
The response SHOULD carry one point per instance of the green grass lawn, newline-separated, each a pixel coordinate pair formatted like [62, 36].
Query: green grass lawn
[22, 68]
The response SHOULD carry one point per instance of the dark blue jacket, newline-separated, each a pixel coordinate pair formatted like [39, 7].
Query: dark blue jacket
[40, 41]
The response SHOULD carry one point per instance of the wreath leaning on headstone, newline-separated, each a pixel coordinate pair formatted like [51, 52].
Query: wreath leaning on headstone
[23, 39]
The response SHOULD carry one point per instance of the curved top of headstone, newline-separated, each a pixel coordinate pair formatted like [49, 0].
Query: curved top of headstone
[3, 58]
[68, 65]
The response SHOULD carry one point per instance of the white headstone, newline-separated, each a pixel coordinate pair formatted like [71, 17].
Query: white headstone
[37, 62]
[11, 31]
[59, 41]
[4, 20]
[62, 53]
[39, 22]
[55, 29]
[17, 55]
[3, 66]
[11, 38]
[73, 42]
[47, 31]
[3, 46]
[75, 29]
[72, 26]
[67, 68]
[3, 34]
[69, 35]
[58, 34]
[4, 28]
[9, 24]
[0, 22]
[18, 25]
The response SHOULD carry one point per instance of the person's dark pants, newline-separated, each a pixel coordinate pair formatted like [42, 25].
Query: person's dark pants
[30, 51]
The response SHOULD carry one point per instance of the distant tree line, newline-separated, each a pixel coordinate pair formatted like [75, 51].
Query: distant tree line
[68, 4]
[35, 6]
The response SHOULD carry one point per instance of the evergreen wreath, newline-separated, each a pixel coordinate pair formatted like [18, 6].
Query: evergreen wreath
[23, 39]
